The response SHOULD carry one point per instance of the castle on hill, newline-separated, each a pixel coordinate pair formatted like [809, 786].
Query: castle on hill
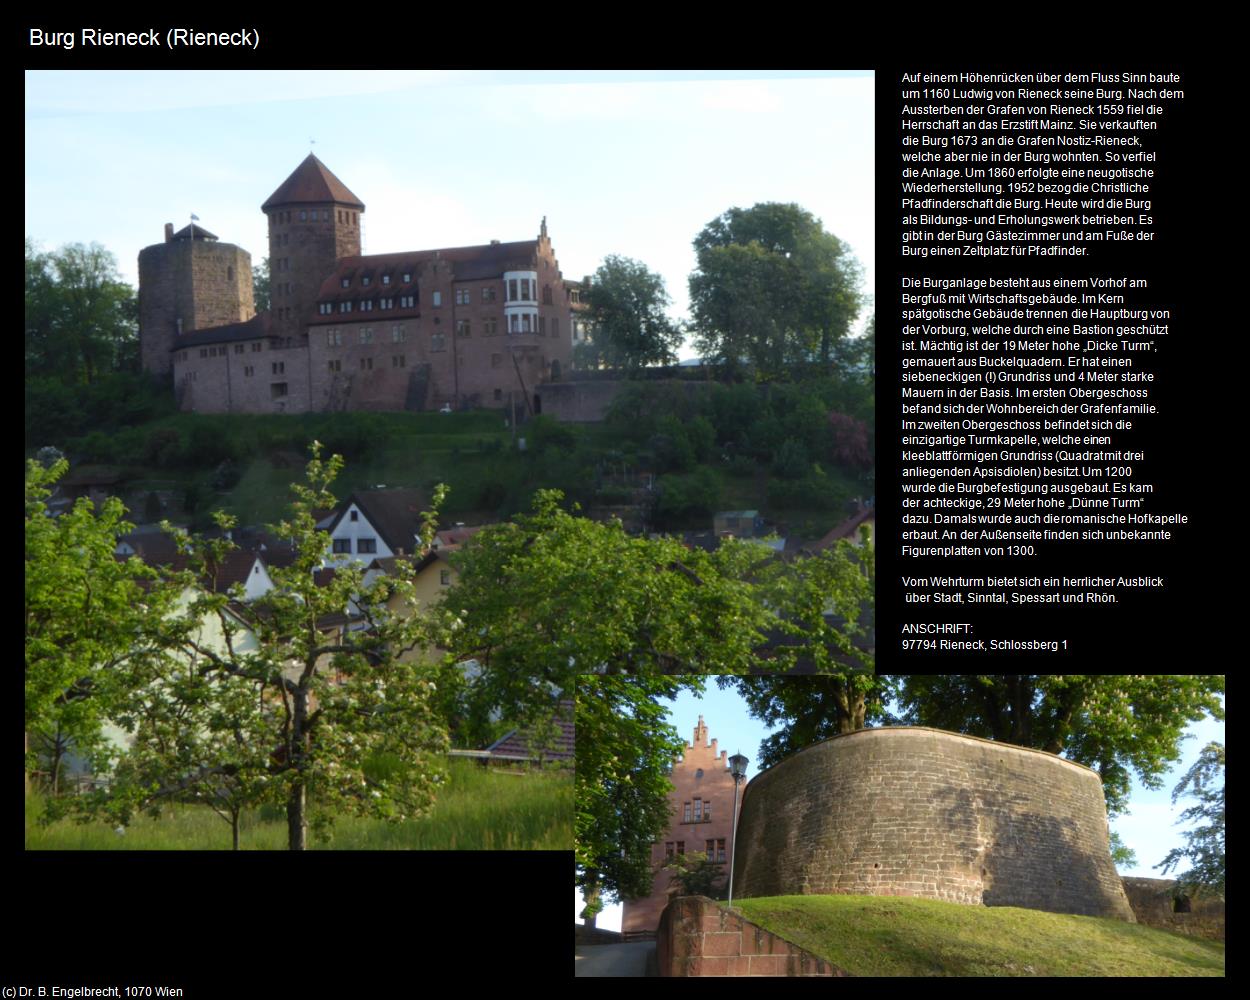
[458, 327]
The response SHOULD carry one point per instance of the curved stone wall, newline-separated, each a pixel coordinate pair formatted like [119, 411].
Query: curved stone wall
[921, 812]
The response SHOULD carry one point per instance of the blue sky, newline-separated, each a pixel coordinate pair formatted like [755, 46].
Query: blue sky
[1149, 828]
[619, 163]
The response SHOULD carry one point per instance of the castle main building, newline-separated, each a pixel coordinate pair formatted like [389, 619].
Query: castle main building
[460, 326]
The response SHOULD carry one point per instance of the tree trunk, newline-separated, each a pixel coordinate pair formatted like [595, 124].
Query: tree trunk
[296, 823]
[234, 828]
[296, 803]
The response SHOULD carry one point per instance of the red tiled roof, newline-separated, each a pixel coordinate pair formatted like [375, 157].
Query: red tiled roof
[516, 743]
[312, 182]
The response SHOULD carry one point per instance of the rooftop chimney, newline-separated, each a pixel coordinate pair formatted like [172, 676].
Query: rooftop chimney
[169, 232]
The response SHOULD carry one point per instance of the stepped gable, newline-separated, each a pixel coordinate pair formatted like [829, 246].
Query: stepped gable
[312, 181]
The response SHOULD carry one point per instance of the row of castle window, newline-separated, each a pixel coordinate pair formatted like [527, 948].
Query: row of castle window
[715, 849]
[366, 364]
[334, 338]
[366, 280]
[366, 305]
[702, 812]
[306, 215]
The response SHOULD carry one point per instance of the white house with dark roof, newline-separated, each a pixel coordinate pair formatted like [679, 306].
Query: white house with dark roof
[376, 524]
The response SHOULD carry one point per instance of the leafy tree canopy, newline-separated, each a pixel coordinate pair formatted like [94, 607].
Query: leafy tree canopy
[312, 693]
[552, 596]
[625, 752]
[86, 614]
[810, 709]
[772, 289]
[1204, 845]
[628, 323]
[81, 318]
[1116, 724]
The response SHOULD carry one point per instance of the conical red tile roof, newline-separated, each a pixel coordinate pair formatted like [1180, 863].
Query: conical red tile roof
[312, 182]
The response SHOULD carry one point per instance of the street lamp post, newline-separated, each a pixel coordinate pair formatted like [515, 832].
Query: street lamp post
[738, 768]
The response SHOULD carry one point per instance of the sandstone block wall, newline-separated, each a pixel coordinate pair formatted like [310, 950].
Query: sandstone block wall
[698, 938]
[921, 812]
[1157, 902]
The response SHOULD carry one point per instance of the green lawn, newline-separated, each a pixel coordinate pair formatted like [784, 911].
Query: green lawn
[481, 809]
[891, 936]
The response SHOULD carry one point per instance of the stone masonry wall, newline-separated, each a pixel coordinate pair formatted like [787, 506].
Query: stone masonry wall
[1154, 903]
[921, 812]
[699, 938]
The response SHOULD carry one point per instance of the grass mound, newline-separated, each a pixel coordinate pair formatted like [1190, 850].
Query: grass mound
[891, 936]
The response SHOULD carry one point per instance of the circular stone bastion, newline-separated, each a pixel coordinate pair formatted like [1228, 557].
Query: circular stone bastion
[903, 811]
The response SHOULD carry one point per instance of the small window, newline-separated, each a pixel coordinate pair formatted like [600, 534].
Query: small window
[437, 299]
[444, 577]
[343, 545]
[365, 281]
[335, 366]
[720, 850]
[438, 342]
[668, 849]
[488, 294]
[277, 390]
[354, 515]
[398, 334]
[366, 545]
[462, 328]
[407, 277]
[686, 817]
[698, 810]
[366, 364]
[366, 335]
[303, 215]
[681, 847]
[346, 283]
[386, 279]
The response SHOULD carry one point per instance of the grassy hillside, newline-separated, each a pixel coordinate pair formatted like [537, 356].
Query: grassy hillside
[891, 936]
[480, 810]
[776, 449]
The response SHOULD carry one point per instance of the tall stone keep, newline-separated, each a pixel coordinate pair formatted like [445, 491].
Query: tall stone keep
[314, 221]
[189, 282]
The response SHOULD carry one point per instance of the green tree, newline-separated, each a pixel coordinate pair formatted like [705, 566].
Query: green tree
[260, 285]
[552, 596]
[1204, 845]
[303, 702]
[87, 614]
[1116, 724]
[810, 709]
[772, 289]
[81, 318]
[626, 310]
[695, 874]
[625, 751]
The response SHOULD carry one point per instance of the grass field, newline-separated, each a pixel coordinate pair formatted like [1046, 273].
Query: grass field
[481, 809]
[890, 936]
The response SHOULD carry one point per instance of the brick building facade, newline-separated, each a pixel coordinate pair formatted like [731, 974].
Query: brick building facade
[701, 806]
[472, 326]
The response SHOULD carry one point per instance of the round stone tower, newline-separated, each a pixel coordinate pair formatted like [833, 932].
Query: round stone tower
[189, 282]
[313, 221]
[902, 811]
